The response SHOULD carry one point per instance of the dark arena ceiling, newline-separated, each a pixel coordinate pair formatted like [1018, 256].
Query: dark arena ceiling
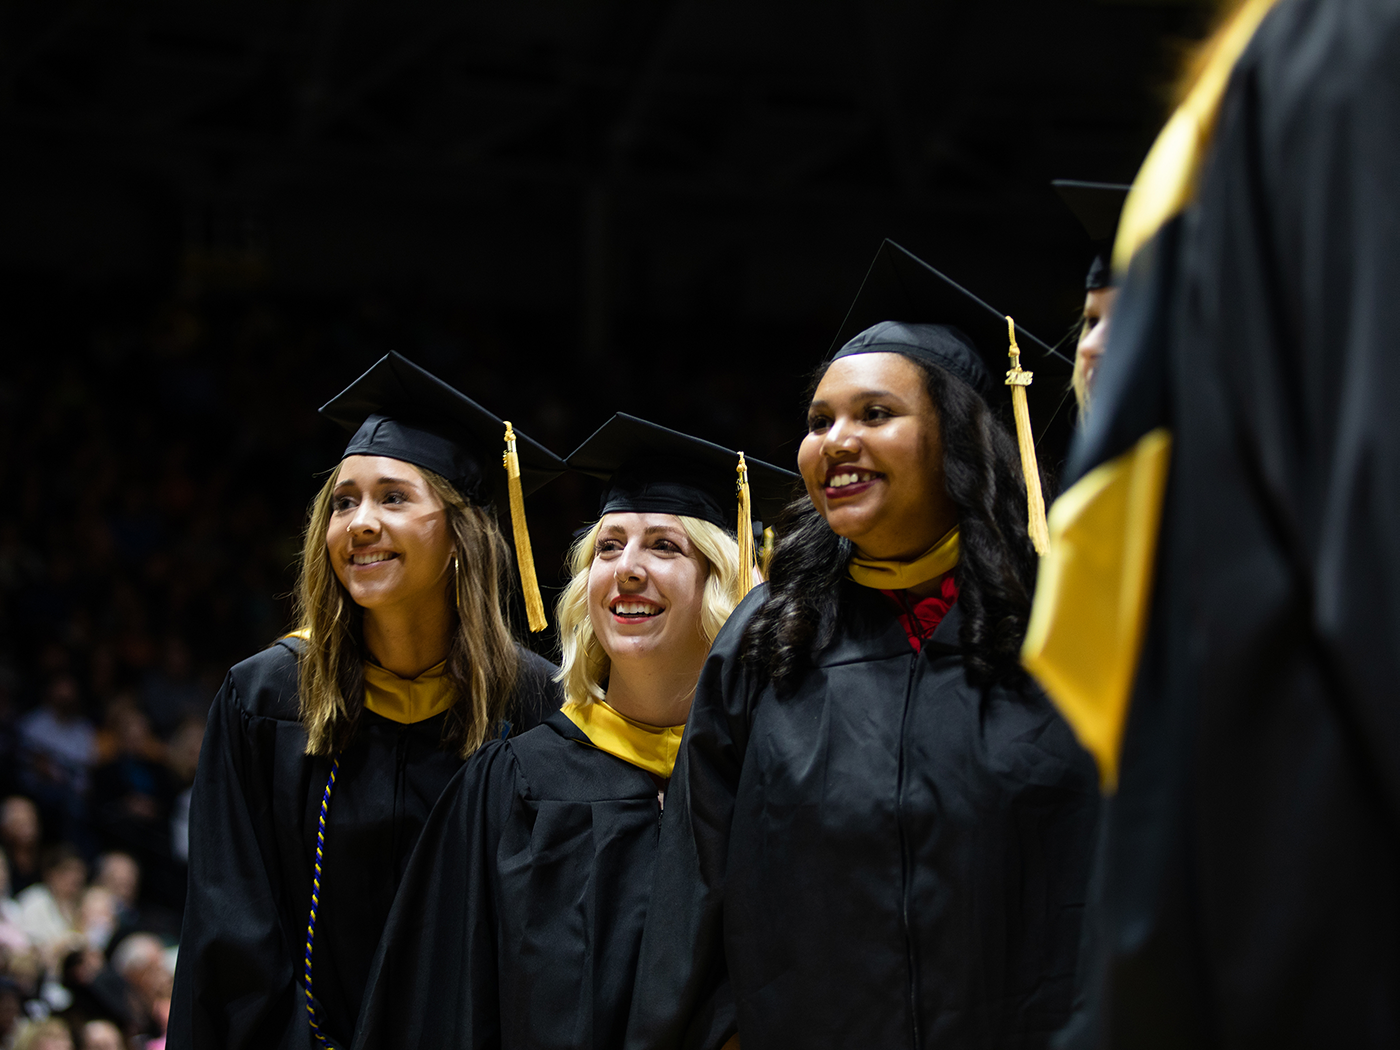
[617, 178]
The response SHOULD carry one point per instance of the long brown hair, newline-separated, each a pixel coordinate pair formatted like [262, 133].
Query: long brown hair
[483, 661]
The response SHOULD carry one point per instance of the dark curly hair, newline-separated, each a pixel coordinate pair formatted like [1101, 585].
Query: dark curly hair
[996, 566]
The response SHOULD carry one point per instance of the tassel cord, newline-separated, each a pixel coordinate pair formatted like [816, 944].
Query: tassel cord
[1018, 379]
[524, 557]
[311, 1010]
[745, 581]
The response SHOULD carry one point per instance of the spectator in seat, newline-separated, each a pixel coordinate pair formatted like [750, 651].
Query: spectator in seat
[20, 835]
[48, 910]
[57, 749]
[102, 1035]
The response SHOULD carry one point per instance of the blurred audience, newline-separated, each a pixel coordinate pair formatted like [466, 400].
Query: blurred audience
[57, 747]
[143, 962]
[102, 1035]
[20, 838]
[49, 909]
[45, 1035]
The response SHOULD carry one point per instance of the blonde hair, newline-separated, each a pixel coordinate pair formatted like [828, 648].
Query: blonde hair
[483, 661]
[585, 665]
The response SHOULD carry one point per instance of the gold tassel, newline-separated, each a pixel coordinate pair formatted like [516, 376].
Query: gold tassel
[524, 559]
[745, 581]
[1018, 379]
[765, 553]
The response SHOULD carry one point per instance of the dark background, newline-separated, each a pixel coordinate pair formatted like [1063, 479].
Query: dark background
[213, 216]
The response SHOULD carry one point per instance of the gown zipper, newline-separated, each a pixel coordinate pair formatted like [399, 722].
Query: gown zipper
[906, 861]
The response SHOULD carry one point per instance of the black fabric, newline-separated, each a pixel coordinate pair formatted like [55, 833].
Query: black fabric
[888, 857]
[649, 468]
[399, 410]
[1097, 206]
[899, 286]
[943, 345]
[1246, 890]
[520, 918]
[253, 823]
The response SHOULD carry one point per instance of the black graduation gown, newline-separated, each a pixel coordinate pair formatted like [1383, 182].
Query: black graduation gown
[1247, 893]
[520, 917]
[888, 857]
[253, 823]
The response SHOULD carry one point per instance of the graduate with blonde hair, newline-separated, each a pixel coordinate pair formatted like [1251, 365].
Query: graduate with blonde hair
[519, 921]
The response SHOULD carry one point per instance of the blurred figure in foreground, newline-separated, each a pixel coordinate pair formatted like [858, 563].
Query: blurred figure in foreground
[1219, 613]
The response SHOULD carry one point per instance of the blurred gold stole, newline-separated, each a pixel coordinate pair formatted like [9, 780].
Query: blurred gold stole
[653, 748]
[408, 700]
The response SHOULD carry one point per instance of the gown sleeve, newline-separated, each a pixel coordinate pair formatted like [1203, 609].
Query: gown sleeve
[434, 980]
[234, 985]
[683, 996]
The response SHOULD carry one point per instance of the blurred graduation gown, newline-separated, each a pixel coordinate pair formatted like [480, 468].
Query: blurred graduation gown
[1247, 891]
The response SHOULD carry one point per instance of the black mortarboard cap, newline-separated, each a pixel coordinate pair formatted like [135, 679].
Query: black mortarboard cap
[905, 306]
[399, 410]
[1097, 206]
[653, 469]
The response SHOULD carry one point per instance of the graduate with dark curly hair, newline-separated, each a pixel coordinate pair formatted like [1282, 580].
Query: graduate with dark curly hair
[879, 829]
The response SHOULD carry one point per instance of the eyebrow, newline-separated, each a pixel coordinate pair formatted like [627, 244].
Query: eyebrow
[386, 480]
[648, 531]
[863, 395]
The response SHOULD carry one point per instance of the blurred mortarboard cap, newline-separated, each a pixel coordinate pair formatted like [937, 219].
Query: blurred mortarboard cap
[652, 469]
[907, 307]
[399, 410]
[1097, 206]
[404, 412]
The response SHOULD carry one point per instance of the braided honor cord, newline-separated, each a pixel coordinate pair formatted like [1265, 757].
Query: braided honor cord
[315, 901]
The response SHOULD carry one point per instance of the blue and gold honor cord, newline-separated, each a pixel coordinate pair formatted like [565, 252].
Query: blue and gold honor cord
[316, 1033]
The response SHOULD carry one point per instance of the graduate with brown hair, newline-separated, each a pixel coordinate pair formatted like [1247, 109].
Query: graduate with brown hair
[325, 752]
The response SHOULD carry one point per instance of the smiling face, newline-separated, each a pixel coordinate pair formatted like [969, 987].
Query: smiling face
[872, 459]
[389, 538]
[646, 589]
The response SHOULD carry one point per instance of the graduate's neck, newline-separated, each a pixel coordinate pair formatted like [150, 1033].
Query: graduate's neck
[652, 691]
[408, 640]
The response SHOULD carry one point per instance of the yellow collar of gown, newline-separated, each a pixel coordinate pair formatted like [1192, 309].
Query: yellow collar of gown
[408, 700]
[653, 748]
[901, 575]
